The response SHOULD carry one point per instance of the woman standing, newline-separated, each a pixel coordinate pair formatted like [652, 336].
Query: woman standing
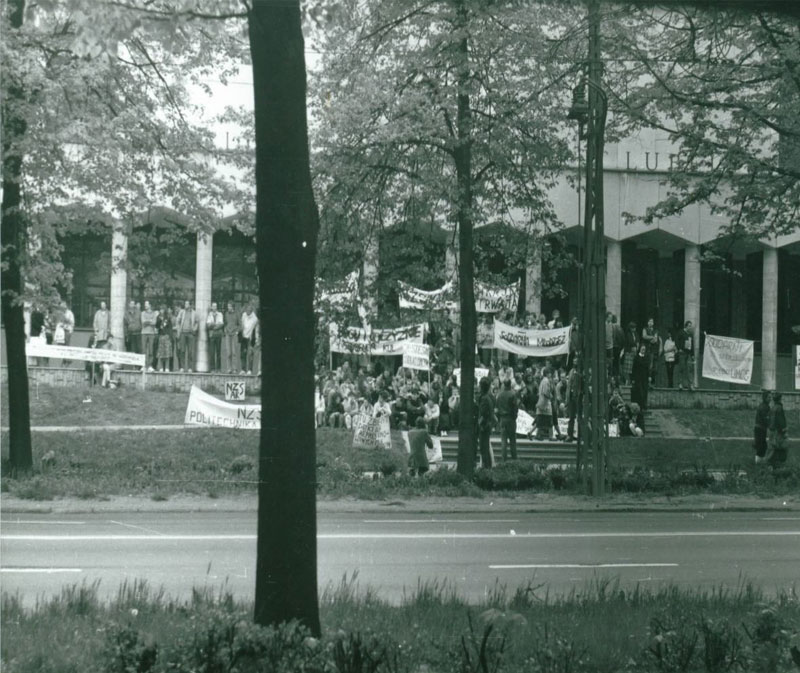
[164, 331]
[640, 378]
[670, 357]
[544, 406]
[651, 339]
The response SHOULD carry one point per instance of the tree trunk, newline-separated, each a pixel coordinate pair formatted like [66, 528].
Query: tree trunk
[287, 223]
[466, 272]
[20, 452]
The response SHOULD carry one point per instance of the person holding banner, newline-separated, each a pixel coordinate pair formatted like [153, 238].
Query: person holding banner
[418, 440]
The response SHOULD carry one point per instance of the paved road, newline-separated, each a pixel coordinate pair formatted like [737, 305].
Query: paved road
[40, 553]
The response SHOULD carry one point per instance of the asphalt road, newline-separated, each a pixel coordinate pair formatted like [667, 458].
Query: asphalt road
[40, 553]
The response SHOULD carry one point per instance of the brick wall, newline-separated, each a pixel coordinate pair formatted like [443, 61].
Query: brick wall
[663, 398]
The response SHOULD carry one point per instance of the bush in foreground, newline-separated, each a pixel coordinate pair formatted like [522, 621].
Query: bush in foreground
[600, 628]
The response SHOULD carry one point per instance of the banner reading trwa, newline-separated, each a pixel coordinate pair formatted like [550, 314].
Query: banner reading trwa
[728, 359]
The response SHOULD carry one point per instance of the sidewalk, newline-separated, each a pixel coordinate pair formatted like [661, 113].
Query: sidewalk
[543, 502]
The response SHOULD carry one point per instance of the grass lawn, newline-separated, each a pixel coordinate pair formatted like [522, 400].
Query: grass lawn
[598, 629]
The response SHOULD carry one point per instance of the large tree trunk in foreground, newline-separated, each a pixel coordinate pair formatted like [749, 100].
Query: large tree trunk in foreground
[466, 272]
[12, 237]
[286, 238]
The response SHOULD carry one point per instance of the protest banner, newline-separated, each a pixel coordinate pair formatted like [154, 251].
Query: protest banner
[480, 372]
[374, 341]
[524, 423]
[412, 297]
[370, 433]
[235, 391]
[417, 356]
[434, 454]
[728, 359]
[38, 348]
[338, 295]
[489, 299]
[797, 368]
[206, 410]
[534, 343]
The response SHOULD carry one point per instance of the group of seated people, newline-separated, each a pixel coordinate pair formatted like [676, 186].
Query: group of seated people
[628, 416]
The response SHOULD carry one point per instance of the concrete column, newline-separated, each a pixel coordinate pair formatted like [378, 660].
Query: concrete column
[119, 285]
[614, 278]
[533, 283]
[370, 270]
[202, 296]
[691, 298]
[769, 320]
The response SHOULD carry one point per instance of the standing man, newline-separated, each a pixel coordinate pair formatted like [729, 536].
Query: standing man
[148, 317]
[249, 322]
[486, 420]
[574, 398]
[66, 321]
[132, 320]
[186, 332]
[215, 325]
[230, 336]
[507, 407]
[686, 356]
[102, 324]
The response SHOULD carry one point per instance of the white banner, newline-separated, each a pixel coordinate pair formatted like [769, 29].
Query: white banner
[728, 359]
[369, 432]
[489, 299]
[37, 348]
[207, 410]
[480, 372]
[434, 454]
[524, 423]
[531, 342]
[412, 297]
[338, 295]
[417, 356]
[797, 368]
[374, 341]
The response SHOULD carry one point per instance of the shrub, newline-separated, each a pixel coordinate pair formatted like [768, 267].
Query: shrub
[241, 464]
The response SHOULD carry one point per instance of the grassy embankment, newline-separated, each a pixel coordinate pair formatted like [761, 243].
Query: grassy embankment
[598, 629]
[216, 462]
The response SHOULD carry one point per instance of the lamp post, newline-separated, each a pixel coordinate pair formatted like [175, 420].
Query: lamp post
[591, 111]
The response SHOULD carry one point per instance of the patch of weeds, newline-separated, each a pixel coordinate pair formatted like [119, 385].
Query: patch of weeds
[482, 653]
[34, 488]
[555, 654]
[769, 637]
[159, 496]
[722, 645]
[355, 653]
[241, 464]
[213, 495]
[673, 643]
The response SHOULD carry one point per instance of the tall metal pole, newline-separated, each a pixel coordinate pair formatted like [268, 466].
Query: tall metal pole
[594, 309]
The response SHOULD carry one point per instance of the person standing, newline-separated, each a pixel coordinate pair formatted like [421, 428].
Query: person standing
[64, 328]
[574, 398]
[686, 356]
[640, 378]
[574, 343]
[544, 406]
[215, 326]
[486, 420]
[419, 440]
[631, 349]
[230, 338]
[101, 324]
[149, 318]
[777, 449]
[132, 320]
[761, 427]
[618, 345]
[670, 356]
[164, 329]
[186, 332]
[507, 409]
[652, 341]
[249, 322]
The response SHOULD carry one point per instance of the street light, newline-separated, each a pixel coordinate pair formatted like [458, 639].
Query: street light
[591, 111]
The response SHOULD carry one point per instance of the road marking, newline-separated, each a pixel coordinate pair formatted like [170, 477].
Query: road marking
[403, 536]
[781, 518]
[441, 521]
[556, 566]
[6, 522]
[130, 525]
[45, 571]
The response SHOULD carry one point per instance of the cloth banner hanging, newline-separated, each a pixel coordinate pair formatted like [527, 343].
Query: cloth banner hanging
[416, 356]
[541, 343]
[370, 433]
[206, 410]
[728, 359]
[339, 295]
[490, 299]
[374, 341]
[38, 348]
[412, 297]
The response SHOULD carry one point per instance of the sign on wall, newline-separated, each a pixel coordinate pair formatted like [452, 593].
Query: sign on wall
[235, 391]
[728, 359]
